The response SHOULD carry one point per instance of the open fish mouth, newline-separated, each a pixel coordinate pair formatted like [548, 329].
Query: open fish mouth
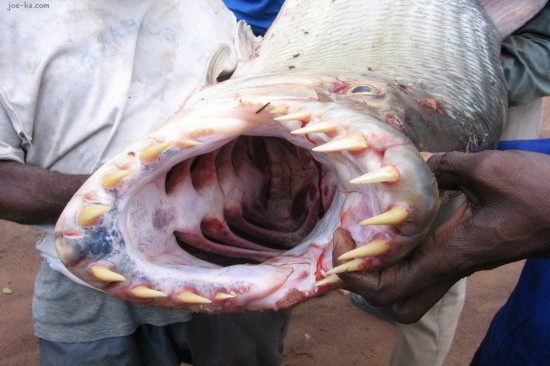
[232, 204]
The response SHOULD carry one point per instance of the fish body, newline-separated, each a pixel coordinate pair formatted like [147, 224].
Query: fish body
[235, 202]
[447, 50]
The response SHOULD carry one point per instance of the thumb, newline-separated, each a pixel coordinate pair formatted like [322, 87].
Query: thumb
[451, 169]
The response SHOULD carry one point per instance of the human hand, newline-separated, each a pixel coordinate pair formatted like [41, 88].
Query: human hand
[506, 217]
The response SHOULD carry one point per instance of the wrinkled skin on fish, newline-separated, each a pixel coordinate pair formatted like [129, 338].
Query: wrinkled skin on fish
[234, 202]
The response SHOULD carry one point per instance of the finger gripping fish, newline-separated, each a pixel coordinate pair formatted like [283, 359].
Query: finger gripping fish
[233, 203]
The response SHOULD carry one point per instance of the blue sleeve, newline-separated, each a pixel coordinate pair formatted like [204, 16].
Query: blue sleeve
[258, 13]
[540, 145]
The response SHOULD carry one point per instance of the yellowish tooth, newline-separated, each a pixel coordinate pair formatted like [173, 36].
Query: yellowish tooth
[351, 266]
[395, 216]
[112, 180]
[151, 153]
[188, 143]
[300, 116]
[387, 174]
[426, 155]
[315, 128]
[329, 280]
[202, 132]
[354, 141]
[103, 273]
[145, 292]
[192, 298]
[223, 296]
[279, 110]
[89, 215]
[374, 248]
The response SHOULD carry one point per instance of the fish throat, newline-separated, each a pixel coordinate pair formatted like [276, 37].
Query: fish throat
[263, 196]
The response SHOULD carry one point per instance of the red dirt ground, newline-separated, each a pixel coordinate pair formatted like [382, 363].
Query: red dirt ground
[325, 331]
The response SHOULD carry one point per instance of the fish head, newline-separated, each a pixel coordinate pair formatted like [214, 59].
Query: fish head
[234, 202]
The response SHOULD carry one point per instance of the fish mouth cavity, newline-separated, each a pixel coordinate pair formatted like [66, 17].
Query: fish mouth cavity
[251, 186]
[259, 197]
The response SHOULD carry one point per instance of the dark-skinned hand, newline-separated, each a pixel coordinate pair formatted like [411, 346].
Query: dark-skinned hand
[506, 217]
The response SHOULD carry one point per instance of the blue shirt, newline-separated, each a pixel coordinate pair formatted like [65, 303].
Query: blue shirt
[520, 332]
[258, 13]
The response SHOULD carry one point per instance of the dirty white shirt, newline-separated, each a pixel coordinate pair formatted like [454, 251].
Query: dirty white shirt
[81, 80]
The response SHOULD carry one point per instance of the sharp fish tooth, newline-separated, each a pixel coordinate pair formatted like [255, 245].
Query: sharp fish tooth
[223, 296]
[387, 174]
[329, 280]
[300, 116]
[151, 153]
[351, 266]
[188, 143]
[192, 298]
[112, 180]
[279, 110]
[353, 141]
[89, 215]
[374, 248]
[315, 128]
[145, 292]
[395, 216]
[103, 273]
